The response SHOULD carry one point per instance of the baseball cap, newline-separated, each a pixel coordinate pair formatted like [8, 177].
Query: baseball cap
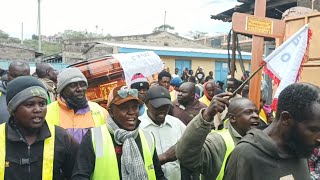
[122, 94]
[176, 81]
[158, 96]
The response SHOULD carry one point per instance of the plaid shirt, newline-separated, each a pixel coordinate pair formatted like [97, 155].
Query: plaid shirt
[314, 164]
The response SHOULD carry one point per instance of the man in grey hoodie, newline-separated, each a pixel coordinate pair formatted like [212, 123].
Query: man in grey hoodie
[16, 69]
[280, 151]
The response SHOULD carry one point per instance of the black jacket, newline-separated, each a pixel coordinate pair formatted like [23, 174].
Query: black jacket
[85, 162]
[25, 162]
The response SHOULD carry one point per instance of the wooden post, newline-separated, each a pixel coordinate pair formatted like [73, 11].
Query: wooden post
[257, 53]
[233, 60]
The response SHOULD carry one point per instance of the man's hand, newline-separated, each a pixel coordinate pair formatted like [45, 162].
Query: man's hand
[168, 156]
[218, 104]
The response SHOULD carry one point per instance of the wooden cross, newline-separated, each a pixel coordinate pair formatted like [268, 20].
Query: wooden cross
[259, 27]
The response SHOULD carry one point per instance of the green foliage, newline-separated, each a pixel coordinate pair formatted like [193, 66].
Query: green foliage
[196, 34]
[3, 35]
[34, 37]
[71, 34]
[47, 48]
[163, 28]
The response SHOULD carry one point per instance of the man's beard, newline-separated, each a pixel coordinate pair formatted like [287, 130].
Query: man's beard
[75, 103]
[296, 146]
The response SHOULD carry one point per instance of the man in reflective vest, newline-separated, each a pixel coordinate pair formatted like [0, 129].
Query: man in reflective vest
[31, 148]
[206, 151]
[72, 110]
[119, 149]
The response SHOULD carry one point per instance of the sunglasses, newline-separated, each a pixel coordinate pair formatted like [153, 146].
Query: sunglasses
[123, 93]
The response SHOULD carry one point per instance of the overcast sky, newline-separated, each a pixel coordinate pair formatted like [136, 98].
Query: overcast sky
[117, 17]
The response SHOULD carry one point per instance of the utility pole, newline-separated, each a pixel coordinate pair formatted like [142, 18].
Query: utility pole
[312, 5]
[164, 22]
[39, 28]
[22, 33]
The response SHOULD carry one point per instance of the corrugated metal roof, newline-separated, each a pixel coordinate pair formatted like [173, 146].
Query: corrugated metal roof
[213, 51]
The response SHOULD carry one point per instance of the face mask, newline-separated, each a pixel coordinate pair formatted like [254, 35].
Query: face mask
[75, 103]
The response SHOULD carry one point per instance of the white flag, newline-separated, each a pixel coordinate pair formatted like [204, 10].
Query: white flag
[146, 63]
[284, 64]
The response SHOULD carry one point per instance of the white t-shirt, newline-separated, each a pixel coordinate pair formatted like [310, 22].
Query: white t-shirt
[166, 135]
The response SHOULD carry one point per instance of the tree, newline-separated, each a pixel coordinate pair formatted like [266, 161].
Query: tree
[34, 37]
[196, 34]
[3, 35]
[164, 27]
[71, 34]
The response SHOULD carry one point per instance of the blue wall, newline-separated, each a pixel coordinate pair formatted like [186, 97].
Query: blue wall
[182, 54]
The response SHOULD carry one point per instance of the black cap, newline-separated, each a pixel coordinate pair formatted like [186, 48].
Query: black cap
[158, 96]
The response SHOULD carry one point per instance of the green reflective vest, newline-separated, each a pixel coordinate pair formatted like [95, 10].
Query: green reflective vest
[48, 153]
[96, 112]
[106, 164]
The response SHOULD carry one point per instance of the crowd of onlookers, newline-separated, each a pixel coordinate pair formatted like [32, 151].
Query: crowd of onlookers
[184, 126]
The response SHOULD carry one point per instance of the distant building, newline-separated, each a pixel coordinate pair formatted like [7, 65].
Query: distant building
[77, 49]
[221, 42]
[52, 39]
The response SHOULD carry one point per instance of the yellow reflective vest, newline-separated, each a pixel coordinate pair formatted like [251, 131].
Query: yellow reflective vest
[106, 164]
[96, 112]
[225, 134]
[205, 100]
[48, 153]
[173, 95]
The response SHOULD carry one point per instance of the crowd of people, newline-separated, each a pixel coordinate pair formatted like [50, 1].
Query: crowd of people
[180, 127]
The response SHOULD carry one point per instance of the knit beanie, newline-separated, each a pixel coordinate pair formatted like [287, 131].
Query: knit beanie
[138, 81]
[69, 75]
[23, 88]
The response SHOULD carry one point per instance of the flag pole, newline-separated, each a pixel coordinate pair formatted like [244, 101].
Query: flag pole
[248, 79]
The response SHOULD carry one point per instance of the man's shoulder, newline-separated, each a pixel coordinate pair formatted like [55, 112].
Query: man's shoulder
[96, 105]
[245, 150]
[173, 121]
[145, 120]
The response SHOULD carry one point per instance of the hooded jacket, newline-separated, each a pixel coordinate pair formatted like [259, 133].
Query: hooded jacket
[4, 114]
[257, 157]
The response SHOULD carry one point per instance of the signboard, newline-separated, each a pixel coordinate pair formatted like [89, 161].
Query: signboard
[259, 25]
[146, 63]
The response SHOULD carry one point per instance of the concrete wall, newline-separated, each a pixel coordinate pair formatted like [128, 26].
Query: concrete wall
[76, 50]
[98, 51]
[8, 52]
[308, 4]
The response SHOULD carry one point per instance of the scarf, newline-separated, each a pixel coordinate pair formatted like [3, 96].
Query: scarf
[205, 91]
[132, 164]
[74, 103]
